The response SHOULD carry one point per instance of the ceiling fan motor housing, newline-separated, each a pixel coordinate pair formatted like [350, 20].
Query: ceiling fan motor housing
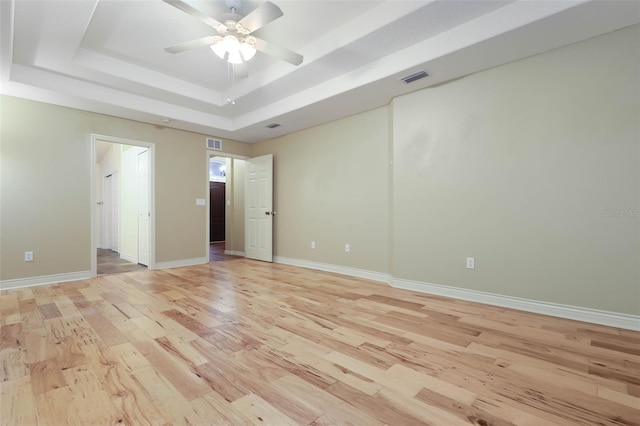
[234, 4]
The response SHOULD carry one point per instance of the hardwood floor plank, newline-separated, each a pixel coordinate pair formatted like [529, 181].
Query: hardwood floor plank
[46, 376]
[242, 342]
[49, 310]
[69, 354]
[380, 408]
[53, 408]
[181, 375]
[9, 309]
[164, 397]
[229, 387]
[258, 411]
[125, 393]
[466, 412]
[335, 411]
[91, 403]
[17, 402]
[219, 411]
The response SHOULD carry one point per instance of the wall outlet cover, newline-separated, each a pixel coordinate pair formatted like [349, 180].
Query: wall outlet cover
[471, 263]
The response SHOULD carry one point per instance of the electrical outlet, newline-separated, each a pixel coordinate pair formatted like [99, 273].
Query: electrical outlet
[471, 263]
[313, 244]
[28, 256]
[347, 248]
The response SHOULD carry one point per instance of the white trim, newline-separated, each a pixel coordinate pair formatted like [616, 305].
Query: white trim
[181, 262]
[595, 316]
[345, 270]
[234, 253]
[128, 258]
[44, 279]
[612, 319]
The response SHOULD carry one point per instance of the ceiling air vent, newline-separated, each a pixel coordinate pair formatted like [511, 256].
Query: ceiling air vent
[272, 125]
[214, 144]
[416, 76]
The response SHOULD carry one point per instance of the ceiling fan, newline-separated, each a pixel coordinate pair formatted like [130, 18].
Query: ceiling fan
[234, 41]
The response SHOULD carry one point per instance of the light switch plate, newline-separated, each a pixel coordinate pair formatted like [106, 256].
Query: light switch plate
[200, 201]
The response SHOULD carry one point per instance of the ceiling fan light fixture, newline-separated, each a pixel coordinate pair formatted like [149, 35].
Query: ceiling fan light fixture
[233, 48]
[219, 49]
[234, 57]
[247, 50]
[231, 43]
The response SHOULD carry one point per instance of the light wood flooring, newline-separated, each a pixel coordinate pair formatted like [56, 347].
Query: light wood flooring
[216, 252]
[244, 342]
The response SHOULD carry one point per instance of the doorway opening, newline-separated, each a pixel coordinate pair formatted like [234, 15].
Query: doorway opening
[225, 222]
[217, 207]
[122, 224]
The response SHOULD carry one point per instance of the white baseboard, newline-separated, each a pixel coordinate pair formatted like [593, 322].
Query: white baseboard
[234, 253]
[181, 262]
[128, 258]
[353, 272]
[44, 279]
[612, 319]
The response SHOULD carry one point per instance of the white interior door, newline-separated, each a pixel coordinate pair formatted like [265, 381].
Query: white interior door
[105, 229]
[259, 208]
[143, 208]
[114, 212]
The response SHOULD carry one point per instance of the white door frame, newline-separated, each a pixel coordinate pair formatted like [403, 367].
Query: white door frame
[210, 154]
[143, 224]
[152, 202]
[113, 178]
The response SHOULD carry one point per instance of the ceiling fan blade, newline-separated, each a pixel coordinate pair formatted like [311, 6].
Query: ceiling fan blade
[261, 16]
[240, 70]
[188, 45]
[278, 52]
[194, 12]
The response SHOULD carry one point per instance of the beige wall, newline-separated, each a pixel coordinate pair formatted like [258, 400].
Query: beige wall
[45, 187]
[520, 167]
[331, 186]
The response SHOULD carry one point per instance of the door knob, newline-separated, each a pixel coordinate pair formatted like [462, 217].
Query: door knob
[270, 213]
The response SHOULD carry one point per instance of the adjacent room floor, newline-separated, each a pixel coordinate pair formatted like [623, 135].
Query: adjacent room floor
[238, 341]
[109, 262]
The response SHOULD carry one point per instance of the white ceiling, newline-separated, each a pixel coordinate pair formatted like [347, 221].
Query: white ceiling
[108, 56]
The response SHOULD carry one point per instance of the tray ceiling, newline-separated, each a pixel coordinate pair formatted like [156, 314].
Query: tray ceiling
[108, 56]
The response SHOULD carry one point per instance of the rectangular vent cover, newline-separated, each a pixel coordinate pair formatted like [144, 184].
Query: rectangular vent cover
[273, 125]
[413, 77]
[214, 144]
